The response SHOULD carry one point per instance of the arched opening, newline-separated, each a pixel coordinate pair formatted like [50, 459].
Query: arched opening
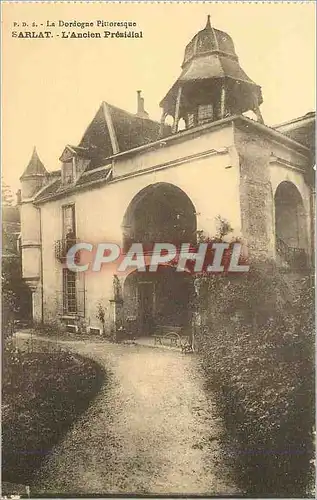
[181, 125]
[290, 226]
[160, 213]
[159, 302]
[169, 120]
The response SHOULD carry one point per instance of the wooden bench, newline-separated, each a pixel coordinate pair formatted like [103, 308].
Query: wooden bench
[175, 340]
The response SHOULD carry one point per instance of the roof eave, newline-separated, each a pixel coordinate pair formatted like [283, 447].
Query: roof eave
[172, 91]
[293, 124]
[204, 128]
[279, 136]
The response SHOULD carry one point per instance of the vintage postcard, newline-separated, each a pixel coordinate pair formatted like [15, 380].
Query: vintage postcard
[158, 249]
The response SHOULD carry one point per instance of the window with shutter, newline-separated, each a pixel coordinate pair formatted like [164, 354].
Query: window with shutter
[69, 292]
[205, 113]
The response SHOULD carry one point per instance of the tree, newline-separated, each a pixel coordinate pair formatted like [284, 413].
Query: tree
[15, 293]
[6, 194]
[255, 340]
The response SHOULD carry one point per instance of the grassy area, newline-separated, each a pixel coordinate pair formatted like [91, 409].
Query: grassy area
[42, 394]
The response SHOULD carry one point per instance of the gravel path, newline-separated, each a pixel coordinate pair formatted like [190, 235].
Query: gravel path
[151, 430]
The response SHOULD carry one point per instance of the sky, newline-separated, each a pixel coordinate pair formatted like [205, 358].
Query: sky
[52, 88]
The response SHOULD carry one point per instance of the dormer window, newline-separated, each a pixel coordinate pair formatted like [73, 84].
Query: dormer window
[68, 172]
[74, 162]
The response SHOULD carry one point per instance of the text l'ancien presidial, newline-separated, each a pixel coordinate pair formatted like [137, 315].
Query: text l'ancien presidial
[79, 29]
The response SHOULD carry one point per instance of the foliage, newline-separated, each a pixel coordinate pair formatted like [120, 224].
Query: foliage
[257, 348]
[13, 289]
[9, 308]
[44, 391]
[53, 329]
[223, 227]
[6, 194]
[15, 293]
[101, 314]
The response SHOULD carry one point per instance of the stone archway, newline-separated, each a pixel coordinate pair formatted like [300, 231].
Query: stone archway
[159, 213]
[290, 226]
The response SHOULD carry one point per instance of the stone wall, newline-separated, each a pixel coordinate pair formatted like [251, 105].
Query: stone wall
[259, 178]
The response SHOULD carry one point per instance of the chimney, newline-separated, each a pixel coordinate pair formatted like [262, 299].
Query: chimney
[141, 113]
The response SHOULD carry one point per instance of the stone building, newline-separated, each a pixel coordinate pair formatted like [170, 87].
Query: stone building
[131, 179]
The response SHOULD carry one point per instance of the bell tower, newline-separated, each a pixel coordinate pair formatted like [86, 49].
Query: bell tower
[212, 84]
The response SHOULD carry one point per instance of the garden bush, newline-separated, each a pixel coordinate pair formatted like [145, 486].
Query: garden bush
[256, 344]
[43, 392]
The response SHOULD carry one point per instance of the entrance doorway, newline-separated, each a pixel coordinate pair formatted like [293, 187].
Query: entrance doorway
[158, 301]
[161, 300]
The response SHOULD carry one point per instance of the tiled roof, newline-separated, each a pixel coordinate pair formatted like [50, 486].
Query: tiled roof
[301, 129]
[210, 67]
[93, 176]
[97, 135]
[35, 166]
[133, 131]
[209, 57]
[209, 40]
[114, 130]
[57, 188]
[213, 66]
[50, 189]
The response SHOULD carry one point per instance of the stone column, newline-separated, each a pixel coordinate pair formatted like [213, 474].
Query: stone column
[36, 292]
[116, 312]
[223, 101]
[177, 109]
[116, 309]
[162, 125]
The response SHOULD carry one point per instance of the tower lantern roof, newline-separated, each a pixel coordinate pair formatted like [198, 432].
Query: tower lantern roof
[211, 75]
[209, 41]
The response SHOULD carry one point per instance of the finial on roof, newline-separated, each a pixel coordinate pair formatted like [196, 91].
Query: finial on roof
[208, 25]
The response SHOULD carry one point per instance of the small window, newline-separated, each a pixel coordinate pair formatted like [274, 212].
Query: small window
[205, 113]
[69, 292]
[68, 173]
